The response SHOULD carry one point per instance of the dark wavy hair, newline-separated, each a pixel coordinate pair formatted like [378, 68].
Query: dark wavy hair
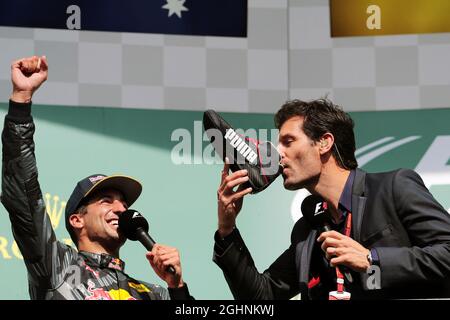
[322, 116]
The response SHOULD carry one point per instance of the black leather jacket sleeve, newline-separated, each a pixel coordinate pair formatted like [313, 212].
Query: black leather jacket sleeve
[22, 197]
[279, 281]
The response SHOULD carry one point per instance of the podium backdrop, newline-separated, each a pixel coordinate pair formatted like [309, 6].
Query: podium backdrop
[179, 200]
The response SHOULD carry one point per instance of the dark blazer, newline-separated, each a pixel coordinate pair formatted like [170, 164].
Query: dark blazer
[392, 212]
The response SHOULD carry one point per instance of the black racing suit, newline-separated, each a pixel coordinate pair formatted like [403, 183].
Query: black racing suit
[55, 270]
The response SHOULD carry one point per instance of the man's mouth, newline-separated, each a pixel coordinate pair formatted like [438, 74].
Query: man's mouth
[114, 223]
[285, 171]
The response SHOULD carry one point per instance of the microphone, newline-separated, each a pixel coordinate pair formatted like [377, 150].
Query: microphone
[315, 211]
[135, 227]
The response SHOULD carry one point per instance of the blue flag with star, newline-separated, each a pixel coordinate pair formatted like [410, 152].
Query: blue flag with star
[188, 17]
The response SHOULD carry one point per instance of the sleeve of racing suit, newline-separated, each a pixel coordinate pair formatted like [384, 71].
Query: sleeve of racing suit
[22, 197]
[180, 293]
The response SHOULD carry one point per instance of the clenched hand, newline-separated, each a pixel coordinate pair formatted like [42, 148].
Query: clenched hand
[27, 75]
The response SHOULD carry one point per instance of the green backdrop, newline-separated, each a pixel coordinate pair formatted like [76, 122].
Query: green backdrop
[180, 200]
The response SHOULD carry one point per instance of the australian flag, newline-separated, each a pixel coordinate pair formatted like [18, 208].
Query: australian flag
[189, 17]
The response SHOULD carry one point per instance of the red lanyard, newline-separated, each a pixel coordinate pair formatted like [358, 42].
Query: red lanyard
[340, 276]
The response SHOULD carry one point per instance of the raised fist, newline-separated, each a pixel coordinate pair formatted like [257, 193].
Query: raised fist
[27, 75]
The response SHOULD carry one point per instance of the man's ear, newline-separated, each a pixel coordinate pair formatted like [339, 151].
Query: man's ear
[76, 221]
[326, 143]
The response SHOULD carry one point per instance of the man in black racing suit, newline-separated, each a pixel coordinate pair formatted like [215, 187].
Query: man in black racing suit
[55, 270]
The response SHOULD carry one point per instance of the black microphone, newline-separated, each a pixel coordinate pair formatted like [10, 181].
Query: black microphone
[315, 211]
[134, 226]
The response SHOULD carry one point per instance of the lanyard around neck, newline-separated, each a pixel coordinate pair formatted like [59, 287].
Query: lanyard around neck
[347, 232]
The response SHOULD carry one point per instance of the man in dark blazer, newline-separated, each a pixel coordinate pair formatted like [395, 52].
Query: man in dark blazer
[389, 237]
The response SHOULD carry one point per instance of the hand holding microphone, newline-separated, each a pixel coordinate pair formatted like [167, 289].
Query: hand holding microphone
[164, 260]
[340, 250]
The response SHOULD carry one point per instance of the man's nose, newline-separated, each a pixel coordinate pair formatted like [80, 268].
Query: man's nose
[119, 206]
[280, 150]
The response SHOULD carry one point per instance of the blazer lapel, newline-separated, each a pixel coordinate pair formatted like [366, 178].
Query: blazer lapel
[303, 255]
[358, 203]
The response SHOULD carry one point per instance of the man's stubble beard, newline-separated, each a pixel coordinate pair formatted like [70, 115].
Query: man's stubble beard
[307, 184]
